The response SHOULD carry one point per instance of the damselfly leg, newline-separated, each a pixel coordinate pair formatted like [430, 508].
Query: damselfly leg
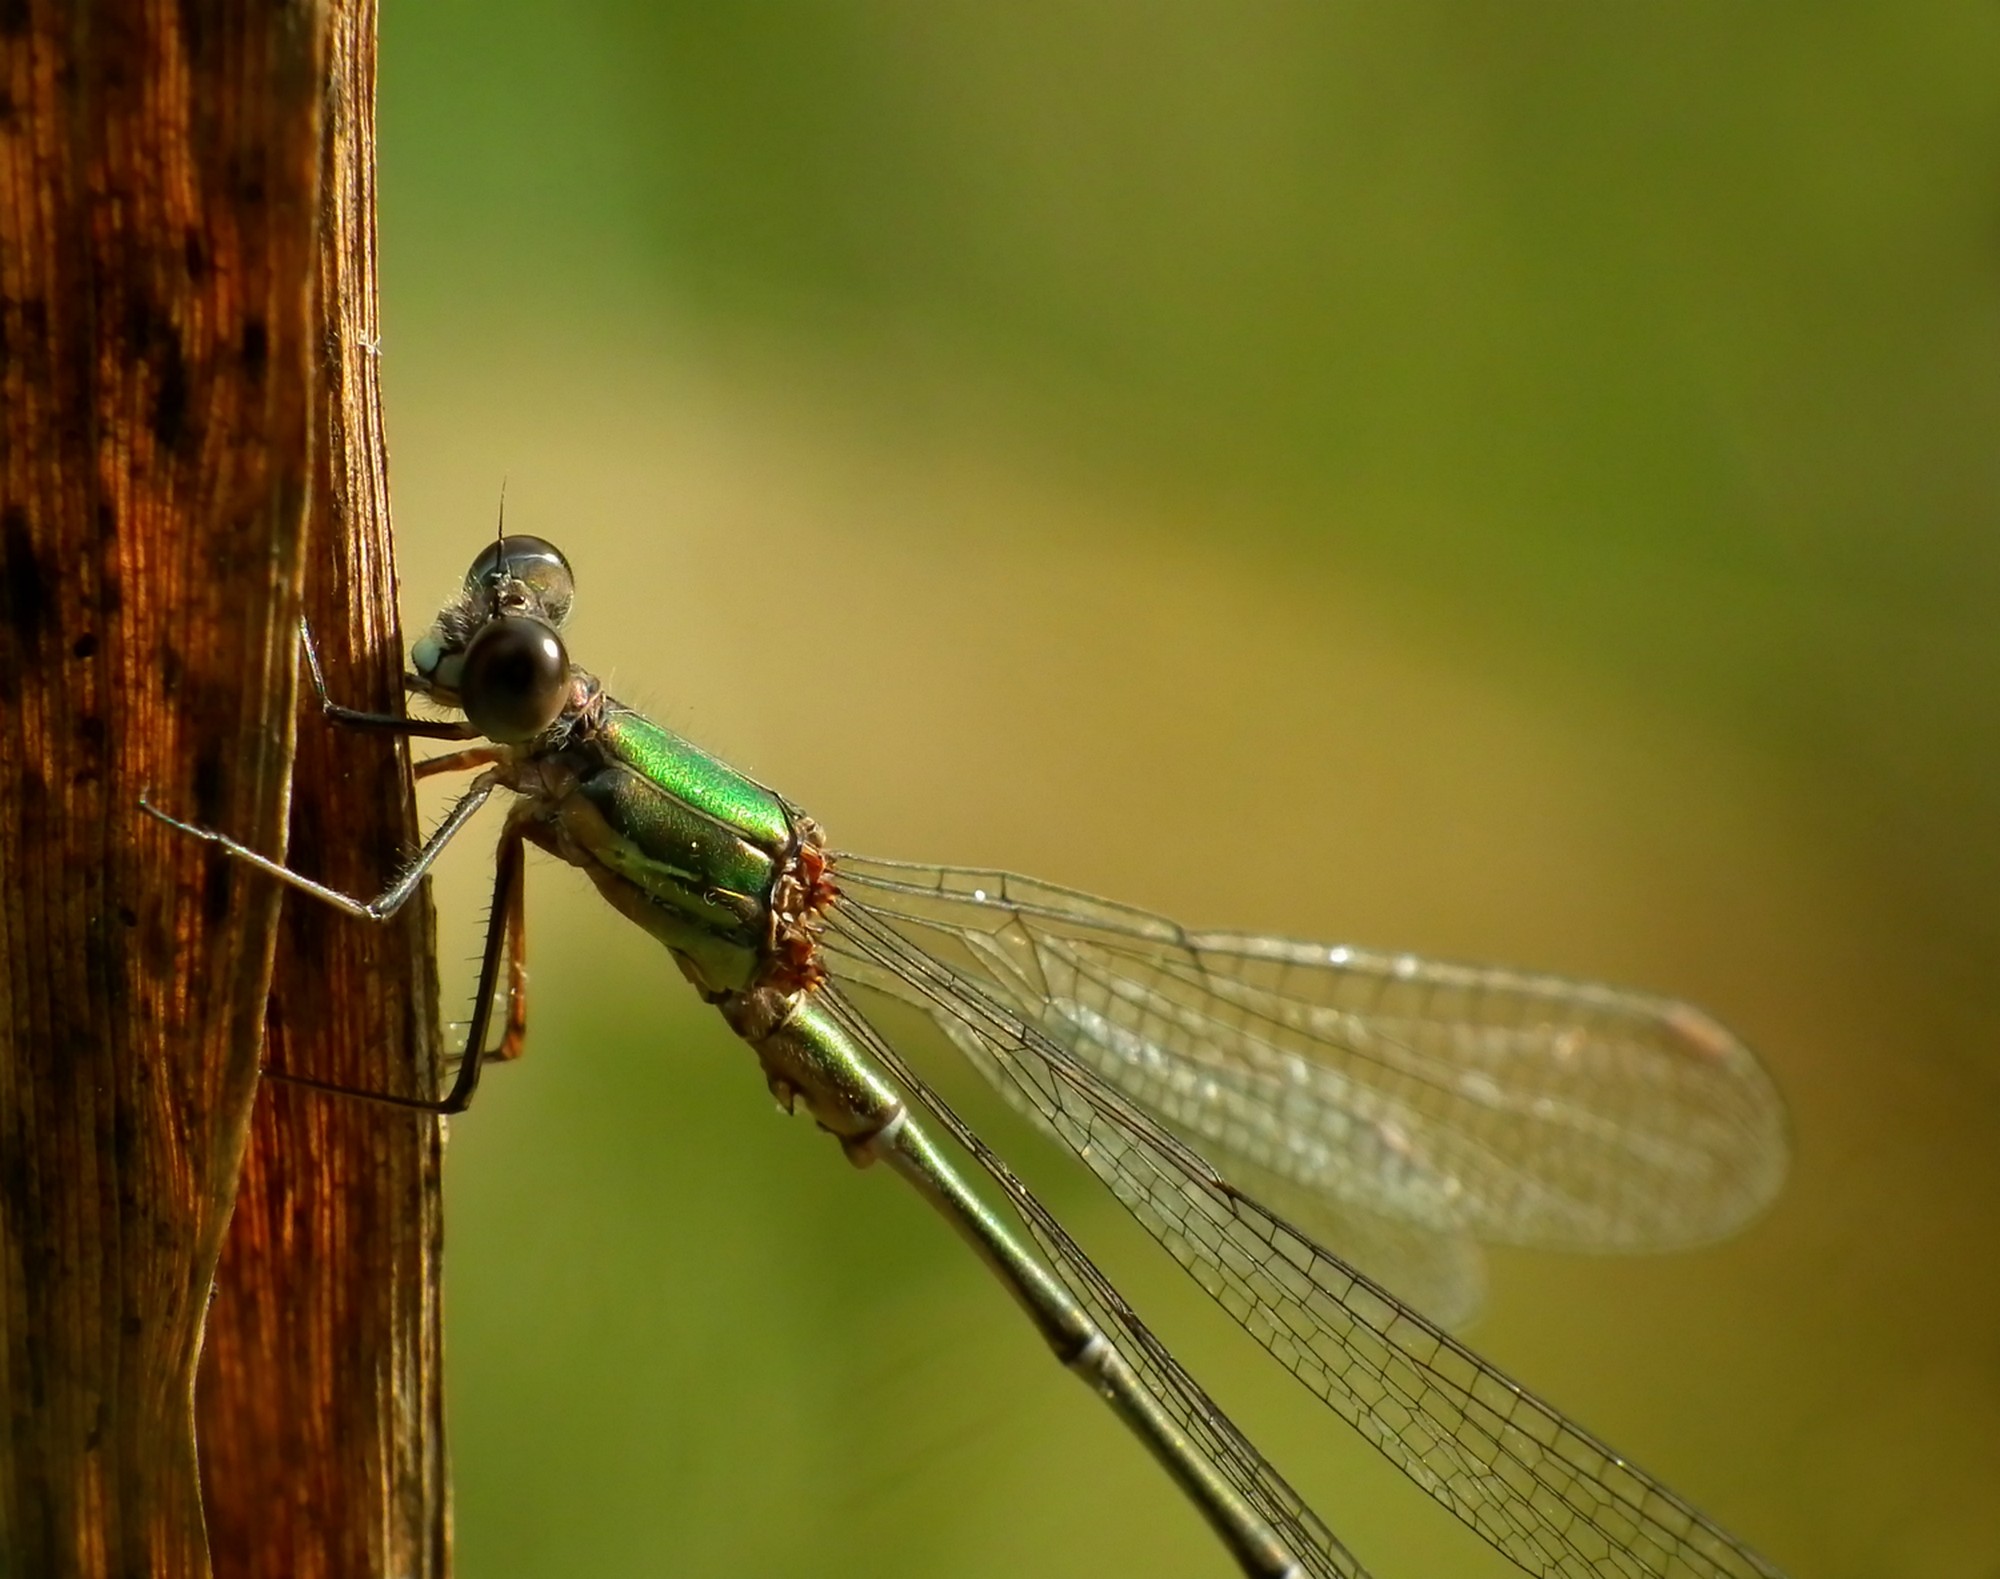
[506, 925]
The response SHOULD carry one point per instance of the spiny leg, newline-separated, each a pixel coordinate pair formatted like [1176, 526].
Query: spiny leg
[383, 905]
[514, 1040]
[514, 1036]
[397, 894]
[504, 921]
[509, 868]
[458, 761]
[379, 909]
[385, 723]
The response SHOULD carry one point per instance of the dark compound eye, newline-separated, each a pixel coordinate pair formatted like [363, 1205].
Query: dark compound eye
[535, 562]
[514, 680]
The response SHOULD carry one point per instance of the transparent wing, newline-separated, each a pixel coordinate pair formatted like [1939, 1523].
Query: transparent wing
[1526, 1109]
[1311, 1542]
[1440, 1271]
[1541, 1490]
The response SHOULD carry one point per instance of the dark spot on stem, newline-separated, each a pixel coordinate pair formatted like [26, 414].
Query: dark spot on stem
[207, 788]
[256, 348]
[27, 587]
[308, 924]
[215, 891]
[170, 400]
[138, 324]
[195, 32]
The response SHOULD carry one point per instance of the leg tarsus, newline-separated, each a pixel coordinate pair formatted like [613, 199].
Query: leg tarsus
[383, 905]
[385, 723]
[380, 1098]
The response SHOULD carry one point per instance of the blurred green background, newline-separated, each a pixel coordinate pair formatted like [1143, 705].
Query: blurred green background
[1517, 483]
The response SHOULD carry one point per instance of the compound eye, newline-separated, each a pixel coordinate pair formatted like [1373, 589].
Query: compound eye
[534, 562]
[514, 680]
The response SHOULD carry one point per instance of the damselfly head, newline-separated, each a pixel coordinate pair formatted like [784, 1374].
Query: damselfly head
[494, 651]
[523, 575]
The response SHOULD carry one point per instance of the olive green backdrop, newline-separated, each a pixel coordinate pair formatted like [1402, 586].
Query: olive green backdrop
[1513, 482]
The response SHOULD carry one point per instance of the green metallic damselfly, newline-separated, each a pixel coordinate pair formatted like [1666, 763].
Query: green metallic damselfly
[1456, 1101]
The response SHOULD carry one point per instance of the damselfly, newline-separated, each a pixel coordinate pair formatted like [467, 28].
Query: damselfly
[1460, 1099]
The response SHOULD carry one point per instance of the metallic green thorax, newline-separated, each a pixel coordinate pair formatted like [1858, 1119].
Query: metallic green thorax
[695, 778]
[681, 843]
